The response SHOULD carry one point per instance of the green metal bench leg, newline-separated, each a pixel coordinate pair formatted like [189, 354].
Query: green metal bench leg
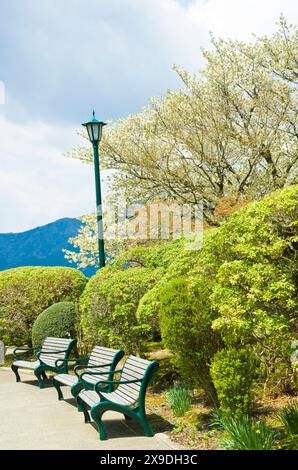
[15, 370]
[79, 406]
[76, 389]
[44, 375]
[146, 426]
[58, 388]
[82, 407]
[96, 414]
[38, 372]
[138, 415]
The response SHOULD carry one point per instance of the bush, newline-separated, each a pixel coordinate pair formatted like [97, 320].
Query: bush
[240, 290]
[158, 255]
[109, 304]
[255, 288]
[186, 329]
[148, 312]
[232, 372]
[26, 292]
[58, 321]
[179, 400]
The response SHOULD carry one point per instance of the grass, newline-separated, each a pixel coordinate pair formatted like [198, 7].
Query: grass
[179, 400]
[244, 433]
[288, 417]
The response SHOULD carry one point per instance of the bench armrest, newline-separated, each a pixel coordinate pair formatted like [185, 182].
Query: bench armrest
[17, 351]
[115, 382]
[85, 366]
[73, 359]
[51, 352]
[99, 373]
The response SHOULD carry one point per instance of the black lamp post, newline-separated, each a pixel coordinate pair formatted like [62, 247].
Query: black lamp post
[94, 129]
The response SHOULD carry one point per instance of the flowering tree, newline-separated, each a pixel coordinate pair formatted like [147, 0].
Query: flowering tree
[230, 132]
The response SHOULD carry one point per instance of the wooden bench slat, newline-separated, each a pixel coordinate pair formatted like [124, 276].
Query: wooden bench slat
[101, 355]
[133, 368]
[139, 360]
[61, 344]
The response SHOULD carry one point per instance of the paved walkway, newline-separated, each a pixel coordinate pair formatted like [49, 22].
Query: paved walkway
[31, 418]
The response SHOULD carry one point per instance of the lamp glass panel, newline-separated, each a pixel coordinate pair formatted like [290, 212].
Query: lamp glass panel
[95, 128]
[90, 133]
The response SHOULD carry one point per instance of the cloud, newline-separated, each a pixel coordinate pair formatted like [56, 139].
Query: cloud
[240, 19]
[59, 60]
[39, 185]
[113, 54]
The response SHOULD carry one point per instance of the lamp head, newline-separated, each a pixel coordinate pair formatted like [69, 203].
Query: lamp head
[94, 129]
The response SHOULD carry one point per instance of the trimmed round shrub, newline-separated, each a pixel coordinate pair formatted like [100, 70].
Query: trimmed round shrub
[26, 292]
[233, 372]
[109, 303]
[58, 321]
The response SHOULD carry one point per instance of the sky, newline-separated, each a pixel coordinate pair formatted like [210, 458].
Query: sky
[59, 59]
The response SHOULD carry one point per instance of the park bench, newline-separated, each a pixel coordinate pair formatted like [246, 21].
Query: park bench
[101, 359]
[49, 357]
[127, 395]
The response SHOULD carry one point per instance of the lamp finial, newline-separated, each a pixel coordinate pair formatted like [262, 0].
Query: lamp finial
[93, 114]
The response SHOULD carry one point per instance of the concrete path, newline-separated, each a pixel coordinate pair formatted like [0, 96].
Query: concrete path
[31, 418]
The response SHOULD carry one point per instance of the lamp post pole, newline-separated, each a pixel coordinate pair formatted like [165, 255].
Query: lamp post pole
[94, 129]
[101, 249]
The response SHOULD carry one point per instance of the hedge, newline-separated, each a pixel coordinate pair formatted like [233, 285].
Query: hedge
[246, 280]
[26, 292]
[109, 303]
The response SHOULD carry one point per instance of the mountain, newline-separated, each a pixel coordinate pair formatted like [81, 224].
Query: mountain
[41, 246]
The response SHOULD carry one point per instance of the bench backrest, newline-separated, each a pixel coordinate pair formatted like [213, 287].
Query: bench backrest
[137, 368]
[101, 355]
[65, 345]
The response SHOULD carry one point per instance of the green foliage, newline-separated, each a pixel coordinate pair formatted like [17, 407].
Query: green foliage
[147, 312]
[116, 298]
[179, 400]
[158, 255]
[26, 292]
[255, 280]
[186, 329]
[59, 320]
[240, 291]
[109, 304]
[288, 417]
[245, 434]
[289, 443]
[182, 260]
[232, 372]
